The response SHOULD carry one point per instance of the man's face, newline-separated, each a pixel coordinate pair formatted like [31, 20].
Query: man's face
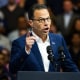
[41, 22]
[67, 6]
[76, 40]
[77, 25]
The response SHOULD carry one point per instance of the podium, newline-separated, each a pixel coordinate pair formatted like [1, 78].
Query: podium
[38, 75]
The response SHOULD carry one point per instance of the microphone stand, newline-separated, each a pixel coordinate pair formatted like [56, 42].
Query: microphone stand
[61, 55]
[51, 58]
[53, 61]
[61, 59]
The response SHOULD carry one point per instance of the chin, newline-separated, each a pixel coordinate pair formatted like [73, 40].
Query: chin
[45, 33]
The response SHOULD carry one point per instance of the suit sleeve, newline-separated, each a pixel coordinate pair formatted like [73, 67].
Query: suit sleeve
[68, 65]
[17, 58]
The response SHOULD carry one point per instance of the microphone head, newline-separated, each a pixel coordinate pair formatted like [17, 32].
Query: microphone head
[50, 55]
[61, 52]
[49, 50]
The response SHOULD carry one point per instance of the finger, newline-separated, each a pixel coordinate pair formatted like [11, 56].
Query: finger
[30, 38]
[30, 42]
[28, 34]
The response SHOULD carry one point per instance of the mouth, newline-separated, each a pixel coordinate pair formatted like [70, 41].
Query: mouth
[46, 30]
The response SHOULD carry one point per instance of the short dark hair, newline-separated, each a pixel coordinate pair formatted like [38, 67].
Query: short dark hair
[35, 7]
[68, 1]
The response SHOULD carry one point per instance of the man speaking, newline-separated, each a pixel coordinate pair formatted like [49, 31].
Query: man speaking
[29, 52]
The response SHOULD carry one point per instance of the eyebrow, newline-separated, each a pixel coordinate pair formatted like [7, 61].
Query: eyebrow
[42, 17]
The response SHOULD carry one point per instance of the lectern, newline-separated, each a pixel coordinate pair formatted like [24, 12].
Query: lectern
[37, 75]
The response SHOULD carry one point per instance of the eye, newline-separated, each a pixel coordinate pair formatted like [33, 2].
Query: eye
[48, 19]
[41, 20]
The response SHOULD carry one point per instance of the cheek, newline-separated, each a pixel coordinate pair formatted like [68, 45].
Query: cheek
[49, 24]
[36, 27]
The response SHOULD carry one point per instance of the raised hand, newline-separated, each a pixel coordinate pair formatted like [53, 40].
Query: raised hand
[29, 41]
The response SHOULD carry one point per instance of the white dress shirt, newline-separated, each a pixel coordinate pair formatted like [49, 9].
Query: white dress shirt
[67, 18]
[42, 48]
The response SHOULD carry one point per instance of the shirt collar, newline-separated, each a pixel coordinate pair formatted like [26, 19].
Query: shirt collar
[38, 39]
[69, 13]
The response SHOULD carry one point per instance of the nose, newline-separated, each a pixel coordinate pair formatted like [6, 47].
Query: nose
[46, 22]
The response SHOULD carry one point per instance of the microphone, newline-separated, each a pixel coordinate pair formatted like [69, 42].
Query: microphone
[51, 58]
[61, 52]
[50, 54]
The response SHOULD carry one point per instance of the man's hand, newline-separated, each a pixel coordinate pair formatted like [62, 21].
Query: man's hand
[29, 42]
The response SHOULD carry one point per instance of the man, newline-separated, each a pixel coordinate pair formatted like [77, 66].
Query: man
[11, 13]
[29, 51]
[21, 29]
[65, 20]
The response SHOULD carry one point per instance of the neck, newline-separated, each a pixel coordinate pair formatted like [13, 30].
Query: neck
[43, 37]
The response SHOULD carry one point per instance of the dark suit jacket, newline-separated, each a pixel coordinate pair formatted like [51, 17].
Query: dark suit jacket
[21, 61]
[60, 24]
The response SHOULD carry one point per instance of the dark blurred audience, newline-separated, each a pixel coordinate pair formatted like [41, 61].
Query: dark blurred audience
[55, 5]
[74, 47]
[6, 54]
[11, 13]
[53, 27]
[3, 3]
[77, 7]
[65, 20]
[2, 28]
[4, 74]
[21, 3]
[4, 41]
[29, 3]
[75, 25]
[22, 29]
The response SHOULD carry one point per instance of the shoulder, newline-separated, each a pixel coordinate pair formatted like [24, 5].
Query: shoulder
[13, 35]
[57, 38]
[4, 38]
[20, 41]
[3, 8]
[55, 35]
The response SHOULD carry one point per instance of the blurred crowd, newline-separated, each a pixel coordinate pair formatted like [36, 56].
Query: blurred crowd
[65, 15]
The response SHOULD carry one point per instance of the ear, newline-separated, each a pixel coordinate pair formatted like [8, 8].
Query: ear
[30, 23]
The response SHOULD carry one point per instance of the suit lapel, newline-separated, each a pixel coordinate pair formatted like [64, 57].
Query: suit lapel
[61, 21]
[53, 44]
[37, 54]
